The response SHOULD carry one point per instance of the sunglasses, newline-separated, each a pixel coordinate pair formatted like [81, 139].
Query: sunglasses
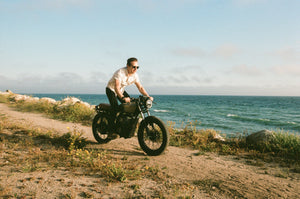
[135, 67]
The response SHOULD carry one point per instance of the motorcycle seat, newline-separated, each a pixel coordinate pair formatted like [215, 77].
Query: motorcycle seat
[104, 106]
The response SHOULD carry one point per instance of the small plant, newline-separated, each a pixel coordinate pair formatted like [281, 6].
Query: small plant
[29, 167]
[71, 140]
[282, 175]
[86, 157]
[85, 194]
[209, 184]
[115, 172]
[67, 196]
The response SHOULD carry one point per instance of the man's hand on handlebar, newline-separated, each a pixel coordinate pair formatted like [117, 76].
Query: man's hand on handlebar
[126, 99]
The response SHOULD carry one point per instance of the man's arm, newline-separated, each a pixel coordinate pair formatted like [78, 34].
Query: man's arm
[119, 93]
[142, 90]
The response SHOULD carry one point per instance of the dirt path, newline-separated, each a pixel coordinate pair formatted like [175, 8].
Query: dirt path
[218, 176]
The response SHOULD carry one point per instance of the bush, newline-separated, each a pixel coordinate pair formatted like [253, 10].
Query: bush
[71, 113]
[202, 139]
[71, 140]
[284, 144]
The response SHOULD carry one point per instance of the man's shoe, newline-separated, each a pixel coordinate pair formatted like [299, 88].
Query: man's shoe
[112, 136]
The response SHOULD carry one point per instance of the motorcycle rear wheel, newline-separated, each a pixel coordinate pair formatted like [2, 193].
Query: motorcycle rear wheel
[101, 128]
[153, 136]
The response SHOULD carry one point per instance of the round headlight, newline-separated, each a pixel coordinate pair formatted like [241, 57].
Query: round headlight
[148, 103]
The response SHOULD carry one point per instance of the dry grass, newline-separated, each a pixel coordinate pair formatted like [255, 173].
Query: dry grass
[33, 149]
[25, 149]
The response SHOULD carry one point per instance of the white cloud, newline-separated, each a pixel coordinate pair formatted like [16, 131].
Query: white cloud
[259, 90]
[291, 70]
[288, 54]
[189, 68]
[226, 50]
[246, 70]
[59, 83]
[69, 83]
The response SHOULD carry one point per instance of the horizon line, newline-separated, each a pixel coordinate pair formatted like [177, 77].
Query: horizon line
[24, 93]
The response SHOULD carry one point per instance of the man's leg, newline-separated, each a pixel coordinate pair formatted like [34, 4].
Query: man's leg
[114, 105]
[112, 99]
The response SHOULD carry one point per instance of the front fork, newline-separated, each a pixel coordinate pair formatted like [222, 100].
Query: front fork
[143, 117]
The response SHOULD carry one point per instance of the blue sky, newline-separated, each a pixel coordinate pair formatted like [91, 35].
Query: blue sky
[199, 47]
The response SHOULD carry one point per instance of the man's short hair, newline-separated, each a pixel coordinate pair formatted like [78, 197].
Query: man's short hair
[131, 60]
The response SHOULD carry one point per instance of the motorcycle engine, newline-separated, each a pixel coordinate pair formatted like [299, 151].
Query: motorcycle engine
[126, 125]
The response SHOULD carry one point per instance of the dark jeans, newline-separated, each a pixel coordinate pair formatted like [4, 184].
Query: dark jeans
[112, 97]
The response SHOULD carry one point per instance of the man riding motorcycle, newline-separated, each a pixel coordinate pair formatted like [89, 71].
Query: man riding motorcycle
[121, 78]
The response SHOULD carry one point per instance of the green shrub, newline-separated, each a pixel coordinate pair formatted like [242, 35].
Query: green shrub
[71, 140]
[114, 172]
[201, 139]
[40, 107]
[72, 113]
[284, 144]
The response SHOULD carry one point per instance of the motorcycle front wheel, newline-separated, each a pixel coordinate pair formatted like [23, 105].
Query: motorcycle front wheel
[101, 128]
[153, 136]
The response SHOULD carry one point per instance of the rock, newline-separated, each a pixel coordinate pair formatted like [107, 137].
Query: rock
[7, 92]
[70, 101]
[86, 104]
[219, 138]
[49, 100]
[216, 137]
[18, 97]
[260, 137]
[33, 99]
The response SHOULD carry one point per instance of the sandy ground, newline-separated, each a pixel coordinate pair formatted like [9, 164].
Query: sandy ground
[228, 176]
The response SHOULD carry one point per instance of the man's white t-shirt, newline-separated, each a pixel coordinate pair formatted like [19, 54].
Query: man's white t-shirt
[124, 79]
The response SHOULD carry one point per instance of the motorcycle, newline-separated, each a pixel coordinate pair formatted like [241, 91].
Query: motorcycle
[152, 133]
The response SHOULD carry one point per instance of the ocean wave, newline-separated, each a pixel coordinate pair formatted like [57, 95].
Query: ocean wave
[160, 111]
[268, 122]
[232, 115]
[261, 119]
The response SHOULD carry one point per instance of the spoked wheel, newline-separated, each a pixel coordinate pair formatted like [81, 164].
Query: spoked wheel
[101, 128]
[153, 136]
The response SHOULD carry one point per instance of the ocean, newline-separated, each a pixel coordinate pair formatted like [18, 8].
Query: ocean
[227, 114]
